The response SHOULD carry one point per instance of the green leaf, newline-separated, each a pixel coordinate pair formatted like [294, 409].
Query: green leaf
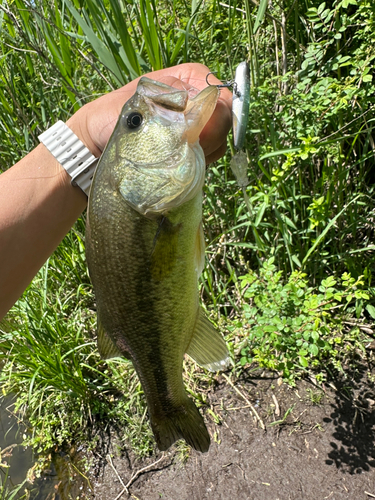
[314, 350]
[303, 361]
[321, 7]
[260, 213]
[177, 48]
[315, 335]
[344, 59]
[260, 14]
[346, 3]
[371, 310]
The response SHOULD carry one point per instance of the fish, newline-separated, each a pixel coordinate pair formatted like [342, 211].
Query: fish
[145, 251]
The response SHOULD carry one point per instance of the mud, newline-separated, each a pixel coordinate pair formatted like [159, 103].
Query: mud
[317, 444]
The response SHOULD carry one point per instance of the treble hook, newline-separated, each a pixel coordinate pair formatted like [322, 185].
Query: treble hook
[227, 84]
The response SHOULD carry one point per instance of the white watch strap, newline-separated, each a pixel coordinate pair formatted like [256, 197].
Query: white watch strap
[71, 153]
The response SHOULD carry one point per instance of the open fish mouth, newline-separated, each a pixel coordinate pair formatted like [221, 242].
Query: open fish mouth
[197, 110]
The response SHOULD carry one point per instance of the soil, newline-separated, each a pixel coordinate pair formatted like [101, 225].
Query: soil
[317, 444]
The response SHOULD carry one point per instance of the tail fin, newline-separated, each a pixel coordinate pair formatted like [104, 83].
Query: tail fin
[184, 422]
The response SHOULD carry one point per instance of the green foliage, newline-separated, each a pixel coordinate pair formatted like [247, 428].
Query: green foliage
[310, 199]
[8, 492]
[292, 327]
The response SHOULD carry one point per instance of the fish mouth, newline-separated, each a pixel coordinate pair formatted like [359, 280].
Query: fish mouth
[198, 111]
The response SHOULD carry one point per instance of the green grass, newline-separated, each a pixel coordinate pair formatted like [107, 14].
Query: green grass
[309, 205]
[8, 492]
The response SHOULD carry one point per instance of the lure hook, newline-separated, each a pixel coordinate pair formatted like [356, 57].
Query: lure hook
[227, 84]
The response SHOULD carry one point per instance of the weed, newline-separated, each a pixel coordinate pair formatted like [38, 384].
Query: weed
[315, 396]
[182, 452]
[291, 327]
[8, 492]
[282, 421]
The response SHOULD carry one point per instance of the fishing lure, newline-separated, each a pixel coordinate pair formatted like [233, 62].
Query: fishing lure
[240, 102]
[240, 117]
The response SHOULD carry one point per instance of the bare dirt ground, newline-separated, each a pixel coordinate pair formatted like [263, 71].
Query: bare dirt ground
[316, 445]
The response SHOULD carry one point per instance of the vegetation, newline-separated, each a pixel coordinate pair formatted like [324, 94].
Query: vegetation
[293, 327]
[8, 492]
[289, 264]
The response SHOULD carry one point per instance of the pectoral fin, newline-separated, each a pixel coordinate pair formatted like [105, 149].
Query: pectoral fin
[107, 348]
[207, 347]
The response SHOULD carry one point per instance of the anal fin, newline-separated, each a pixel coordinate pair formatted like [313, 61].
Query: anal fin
[207, 347]
[107, 348]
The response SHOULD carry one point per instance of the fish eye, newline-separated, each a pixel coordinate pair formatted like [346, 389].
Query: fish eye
[134, 120]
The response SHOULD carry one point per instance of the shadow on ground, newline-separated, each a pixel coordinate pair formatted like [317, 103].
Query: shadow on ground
[353, 418]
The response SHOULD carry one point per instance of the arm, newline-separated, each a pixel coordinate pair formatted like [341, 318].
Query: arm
[38, 204]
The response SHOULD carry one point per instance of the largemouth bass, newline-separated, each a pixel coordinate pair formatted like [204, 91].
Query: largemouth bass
[145, 252]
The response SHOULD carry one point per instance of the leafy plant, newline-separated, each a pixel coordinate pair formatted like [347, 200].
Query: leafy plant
[292, 328]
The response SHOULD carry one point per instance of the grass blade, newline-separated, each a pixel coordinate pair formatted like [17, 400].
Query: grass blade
[327, 228]
[105, 56]
[260, 14]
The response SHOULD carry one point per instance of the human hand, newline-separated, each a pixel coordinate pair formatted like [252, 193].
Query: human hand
[94, 122]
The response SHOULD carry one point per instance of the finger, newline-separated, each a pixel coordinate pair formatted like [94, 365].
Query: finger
[216, 155]
[216, 130]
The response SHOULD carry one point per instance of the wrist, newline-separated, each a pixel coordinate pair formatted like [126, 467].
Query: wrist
[78, 123]
[71, 153]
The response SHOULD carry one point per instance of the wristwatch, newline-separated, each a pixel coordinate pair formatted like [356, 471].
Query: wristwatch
[71, 153]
